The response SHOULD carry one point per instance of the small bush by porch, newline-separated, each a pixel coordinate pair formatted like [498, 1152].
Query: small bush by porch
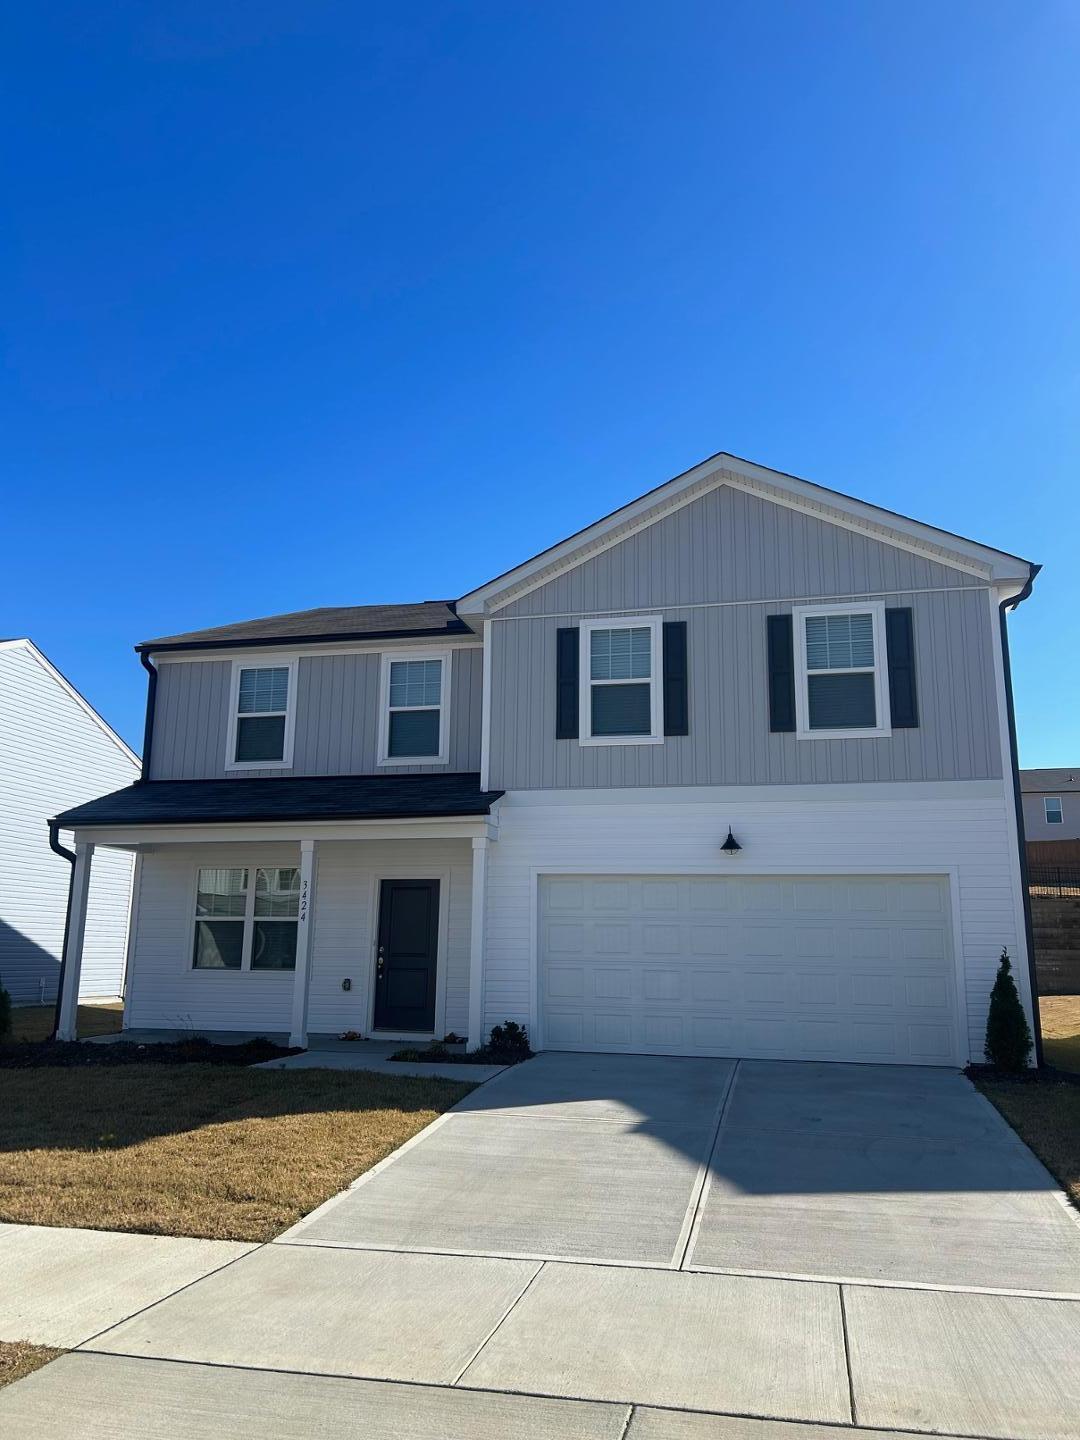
[201, 1150]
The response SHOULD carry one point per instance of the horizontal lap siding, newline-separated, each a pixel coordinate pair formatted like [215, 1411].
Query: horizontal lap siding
[702, 565]
[166, 991]
[337, 699]
[53, 755]
[911, 835]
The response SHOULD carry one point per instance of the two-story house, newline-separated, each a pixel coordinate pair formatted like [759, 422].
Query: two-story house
[730, 772]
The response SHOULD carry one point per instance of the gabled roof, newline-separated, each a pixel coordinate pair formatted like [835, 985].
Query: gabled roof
[312, 797]
[430, 618]
[998, 566]
[1059, 778]
[65, 684]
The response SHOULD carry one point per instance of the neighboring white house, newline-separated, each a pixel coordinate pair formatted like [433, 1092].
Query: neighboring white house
[55, 751]
[412, 819]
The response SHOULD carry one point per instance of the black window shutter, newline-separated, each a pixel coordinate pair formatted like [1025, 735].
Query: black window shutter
[900, 648]
[566, 683]
[781, 649]
[676, 679]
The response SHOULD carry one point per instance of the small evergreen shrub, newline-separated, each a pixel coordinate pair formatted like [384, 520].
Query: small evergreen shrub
[1008, 1036]
[509, 1043]
[5, 1013]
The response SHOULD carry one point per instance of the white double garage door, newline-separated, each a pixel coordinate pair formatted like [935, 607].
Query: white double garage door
[799, 967]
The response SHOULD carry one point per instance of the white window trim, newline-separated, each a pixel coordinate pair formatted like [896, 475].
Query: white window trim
[656, 691]
[267, 663]
[800, 614]
[443, 757]
[1056, 799]
[248, 923]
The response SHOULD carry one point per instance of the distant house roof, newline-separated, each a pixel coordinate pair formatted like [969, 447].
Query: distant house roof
[313, 797]
[1053, 779]
[430, 618]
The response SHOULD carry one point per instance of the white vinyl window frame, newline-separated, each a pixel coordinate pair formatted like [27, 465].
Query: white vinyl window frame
[247, 923]
[261, 663]
[387, 659]
[655, 625]
[800, 614]
[1053, 810]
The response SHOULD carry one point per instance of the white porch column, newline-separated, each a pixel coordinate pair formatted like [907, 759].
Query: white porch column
[73, 950]
[476, 940]
[304, 926]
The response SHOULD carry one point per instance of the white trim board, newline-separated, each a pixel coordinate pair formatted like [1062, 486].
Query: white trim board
[829, 505]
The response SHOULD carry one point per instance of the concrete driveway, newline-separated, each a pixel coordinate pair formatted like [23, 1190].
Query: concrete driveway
[641, 1247]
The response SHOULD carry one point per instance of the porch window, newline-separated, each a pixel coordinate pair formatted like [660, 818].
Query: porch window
[414, 709]
[240, 925]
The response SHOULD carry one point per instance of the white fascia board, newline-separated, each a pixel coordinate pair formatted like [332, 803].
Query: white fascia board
[80, 700]
[142, 836]
[877, 792]
[825, 504]
[291, 650]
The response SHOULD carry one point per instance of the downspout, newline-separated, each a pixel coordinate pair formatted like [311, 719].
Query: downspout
[69, 856]
[151, 702]
[1018, 802]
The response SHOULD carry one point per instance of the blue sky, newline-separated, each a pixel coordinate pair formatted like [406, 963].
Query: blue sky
[333, 303]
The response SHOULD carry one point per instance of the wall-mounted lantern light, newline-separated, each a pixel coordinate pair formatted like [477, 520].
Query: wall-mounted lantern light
[730, 846]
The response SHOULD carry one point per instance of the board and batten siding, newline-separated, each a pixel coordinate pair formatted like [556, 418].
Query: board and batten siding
[166, 991]
[723, 564]
[963, 828]
[337, 717]
[53, 755]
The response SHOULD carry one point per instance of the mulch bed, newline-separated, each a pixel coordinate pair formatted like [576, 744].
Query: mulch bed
[50, 1054]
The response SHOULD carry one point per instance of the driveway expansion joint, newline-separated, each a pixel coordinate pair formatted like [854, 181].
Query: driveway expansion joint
[498, 1324]
[685, 1243]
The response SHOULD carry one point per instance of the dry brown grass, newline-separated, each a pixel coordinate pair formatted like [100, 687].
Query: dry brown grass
[1046, 1115]
[1060, 1017]
[227, 1154]
[18, 1358]
[35, 1022]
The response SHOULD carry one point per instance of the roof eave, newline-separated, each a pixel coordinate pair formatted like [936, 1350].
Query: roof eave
[161, 647]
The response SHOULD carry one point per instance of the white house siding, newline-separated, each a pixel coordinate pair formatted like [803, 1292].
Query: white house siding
[53, 755]
[960, 828]
[165, 991]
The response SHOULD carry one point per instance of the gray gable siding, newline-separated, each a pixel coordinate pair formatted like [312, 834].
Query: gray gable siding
[337, 699]
[702, 564]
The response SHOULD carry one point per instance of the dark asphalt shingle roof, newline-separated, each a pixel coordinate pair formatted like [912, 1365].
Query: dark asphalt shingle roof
[314, 797]
[347, 622]
[1057, 778]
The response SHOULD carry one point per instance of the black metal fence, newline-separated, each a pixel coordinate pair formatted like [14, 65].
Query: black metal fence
[1055, 880]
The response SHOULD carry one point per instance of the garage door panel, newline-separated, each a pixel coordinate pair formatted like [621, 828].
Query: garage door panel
[795, 967]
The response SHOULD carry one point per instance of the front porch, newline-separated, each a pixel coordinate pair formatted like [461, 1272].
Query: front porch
[372, 927]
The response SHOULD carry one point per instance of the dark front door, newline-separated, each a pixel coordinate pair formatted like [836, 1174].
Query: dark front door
[406, 955]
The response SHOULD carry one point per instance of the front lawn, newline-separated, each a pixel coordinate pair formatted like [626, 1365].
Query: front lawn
[35, 1022]
[18, 1358]
[202, 1150]
[1060, 1015]
[1046, 1115]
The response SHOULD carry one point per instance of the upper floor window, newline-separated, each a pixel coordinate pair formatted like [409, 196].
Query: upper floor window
[244, 926]
[1052, 810]
[620, 700]
[262, 712]
[841, 682]
[414, 708]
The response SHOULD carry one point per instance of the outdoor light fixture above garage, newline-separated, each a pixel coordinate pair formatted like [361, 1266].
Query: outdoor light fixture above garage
[730, 846]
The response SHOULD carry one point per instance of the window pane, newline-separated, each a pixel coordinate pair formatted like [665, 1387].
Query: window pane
[1053, 812]
[415, 682]
[219, 944]
[260, 737]
[273, 946]
[414, 732]
[839, 642]
[264, 689]
[621, 710]
[277, 892]
[221, 892]
[621, 654]
[841, 702]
